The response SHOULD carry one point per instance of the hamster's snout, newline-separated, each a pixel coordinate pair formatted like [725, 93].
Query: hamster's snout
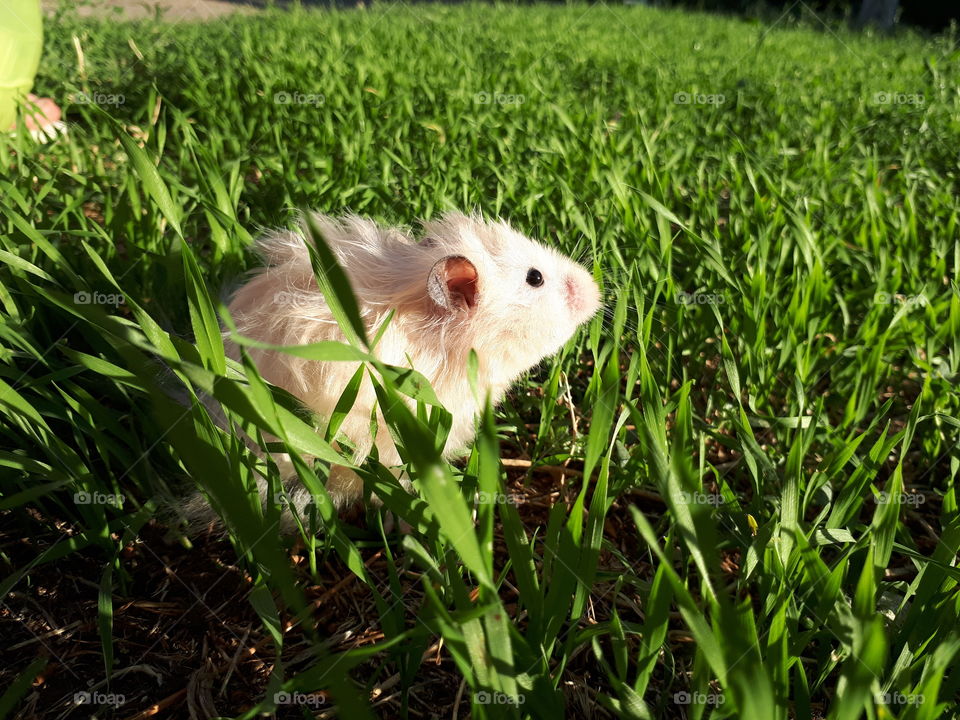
[582, 294]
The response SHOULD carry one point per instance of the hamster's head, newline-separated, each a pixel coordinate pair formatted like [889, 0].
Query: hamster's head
[515, 299]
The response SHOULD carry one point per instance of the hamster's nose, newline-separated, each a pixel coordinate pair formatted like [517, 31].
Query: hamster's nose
[573, 297]
[582, 294]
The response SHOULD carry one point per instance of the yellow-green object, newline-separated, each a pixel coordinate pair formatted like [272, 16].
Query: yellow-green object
[21, 41]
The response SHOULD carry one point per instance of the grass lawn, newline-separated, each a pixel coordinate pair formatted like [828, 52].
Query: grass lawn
[733, 495]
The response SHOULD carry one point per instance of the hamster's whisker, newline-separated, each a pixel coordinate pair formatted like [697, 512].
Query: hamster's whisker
[629, 327]
[631, 320]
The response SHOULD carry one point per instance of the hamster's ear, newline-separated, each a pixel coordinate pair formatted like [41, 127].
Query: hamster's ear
[453, 283]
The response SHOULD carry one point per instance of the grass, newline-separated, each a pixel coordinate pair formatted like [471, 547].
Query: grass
[732, 495]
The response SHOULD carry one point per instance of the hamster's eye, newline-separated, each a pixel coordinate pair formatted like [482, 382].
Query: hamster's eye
[534, 277]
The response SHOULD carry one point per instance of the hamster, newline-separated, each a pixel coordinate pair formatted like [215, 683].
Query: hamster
[468, 283]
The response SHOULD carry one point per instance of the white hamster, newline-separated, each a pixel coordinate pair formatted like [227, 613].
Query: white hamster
[466, 284]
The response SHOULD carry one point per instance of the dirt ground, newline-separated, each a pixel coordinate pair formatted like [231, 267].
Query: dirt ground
[170, 9]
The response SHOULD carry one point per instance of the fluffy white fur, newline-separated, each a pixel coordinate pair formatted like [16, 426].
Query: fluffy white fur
[511, 324]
